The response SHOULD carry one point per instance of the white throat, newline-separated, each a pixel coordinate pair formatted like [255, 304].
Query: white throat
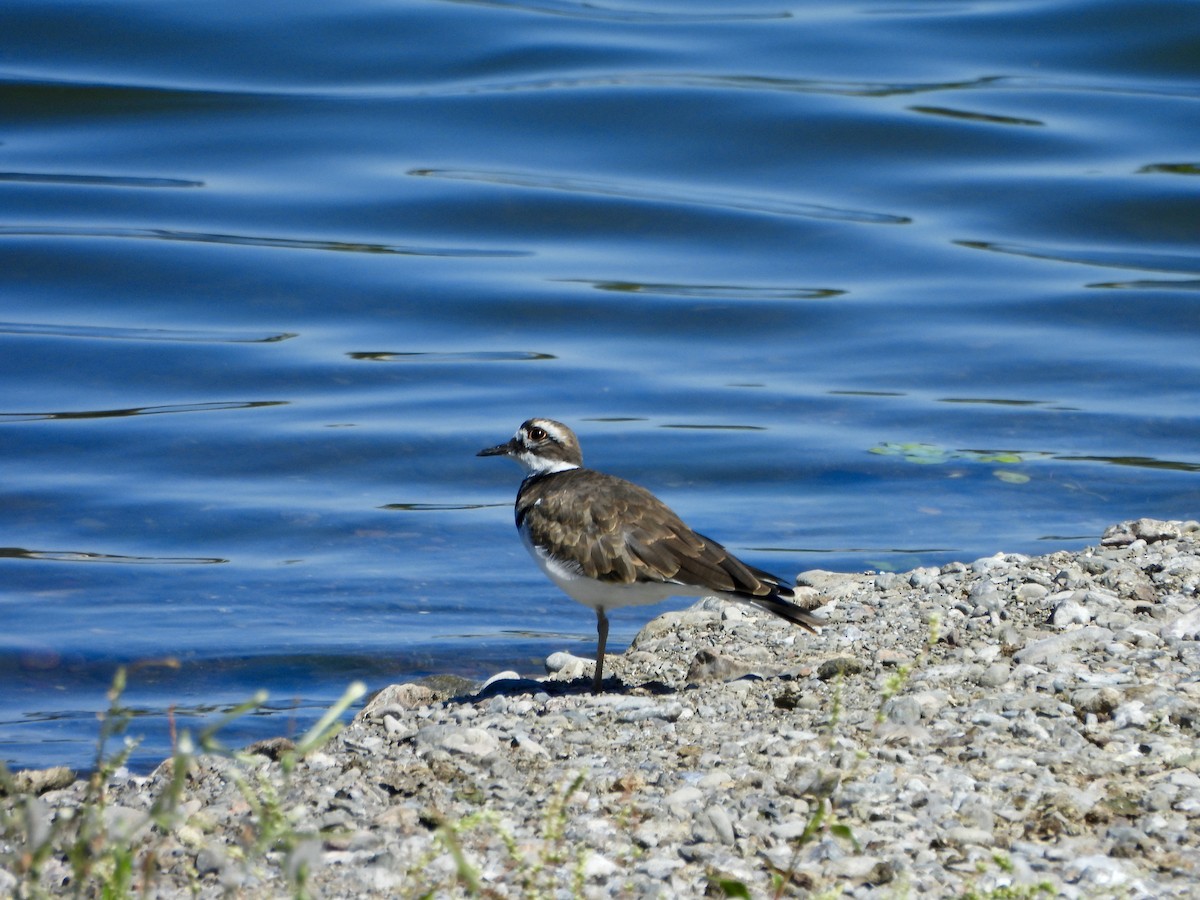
[539, 465]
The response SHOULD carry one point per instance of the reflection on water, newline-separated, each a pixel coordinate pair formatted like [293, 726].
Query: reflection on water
[1170, 169]
[243, 240]
[994, 401]
[451, 357]
[89, 557]
[98, 180]
[213, 406]
[633, 80]
[1149, 285]
[645, 194]
[1141, 462]
[607, 12]
[102, 332]
[440, 507]
[974, 116]
[1119, 259]
[713, 427]
[715, 291]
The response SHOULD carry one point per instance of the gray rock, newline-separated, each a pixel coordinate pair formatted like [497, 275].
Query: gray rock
[568, 665]
[819, 579]
[962, 835]
[641, 712]
[506, 683]
[1185, 627]
[721, 823]
[1098, 701]
[1031, 592]
[123, 823]
[1070, 612]
[660, 868]
[211, 859]
[995, 675]
[472, 742]
[599, 868]
[395, 699]
[1130, 713]
[39, 781]
[709, 665]
[673, 622]
[840, 665]
[1052, 648]
[923, 578]
[902, 710]
[863, 870]
[888, 581]
[1097, 872]
[499, 677]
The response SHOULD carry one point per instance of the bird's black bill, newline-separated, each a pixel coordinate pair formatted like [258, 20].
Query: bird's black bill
[498, 450]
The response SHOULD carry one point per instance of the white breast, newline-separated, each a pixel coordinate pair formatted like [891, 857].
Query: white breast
[601, 594]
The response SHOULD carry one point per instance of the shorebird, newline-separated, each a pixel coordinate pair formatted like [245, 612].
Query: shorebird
[608, 543]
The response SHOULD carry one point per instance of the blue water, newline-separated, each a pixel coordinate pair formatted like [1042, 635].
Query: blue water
[849, 284]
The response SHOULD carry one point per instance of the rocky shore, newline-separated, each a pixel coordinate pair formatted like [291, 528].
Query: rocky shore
[1009, 727]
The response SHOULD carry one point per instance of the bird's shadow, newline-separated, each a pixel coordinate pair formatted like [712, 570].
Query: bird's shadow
[518, 687]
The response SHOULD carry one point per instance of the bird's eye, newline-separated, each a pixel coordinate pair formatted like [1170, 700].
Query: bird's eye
[537, 434]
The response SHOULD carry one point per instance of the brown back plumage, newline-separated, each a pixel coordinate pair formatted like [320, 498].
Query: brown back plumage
[615, 531]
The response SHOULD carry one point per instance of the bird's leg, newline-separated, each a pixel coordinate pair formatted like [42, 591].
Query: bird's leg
[602, 636]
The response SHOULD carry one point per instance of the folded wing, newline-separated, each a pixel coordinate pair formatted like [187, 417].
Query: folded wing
[623, 534]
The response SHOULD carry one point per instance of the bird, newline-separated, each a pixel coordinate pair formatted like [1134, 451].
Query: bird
[608, 543]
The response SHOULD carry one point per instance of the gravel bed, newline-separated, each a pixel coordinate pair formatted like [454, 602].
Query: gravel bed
[1010, 727]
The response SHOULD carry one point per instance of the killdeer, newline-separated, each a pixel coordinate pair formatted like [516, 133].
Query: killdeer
[608, 543]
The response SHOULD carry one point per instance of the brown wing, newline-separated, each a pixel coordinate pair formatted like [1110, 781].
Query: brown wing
[622, 533]
[585, 535]
[703, 561]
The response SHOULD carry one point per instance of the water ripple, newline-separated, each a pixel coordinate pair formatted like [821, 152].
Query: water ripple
[993, 401]
[721, 82]
[1113, 259]
[603, 13]
[98, 180]
[441, 507]
[971, 116]
[1139, 462]
[698, 427]
[101, 332]
[1188, 168]
[1148, 284]
[88, 556]
[8, 417]
[465, 356]
[183, 94]
[707, 199]
[710, 291]
[204, 237]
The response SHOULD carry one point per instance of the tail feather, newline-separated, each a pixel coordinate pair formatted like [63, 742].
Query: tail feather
[790, 611]
[776, 597]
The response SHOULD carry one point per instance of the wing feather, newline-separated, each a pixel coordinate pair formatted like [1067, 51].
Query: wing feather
[622, 534]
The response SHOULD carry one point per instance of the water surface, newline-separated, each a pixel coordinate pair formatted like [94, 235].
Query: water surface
[851, 285]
